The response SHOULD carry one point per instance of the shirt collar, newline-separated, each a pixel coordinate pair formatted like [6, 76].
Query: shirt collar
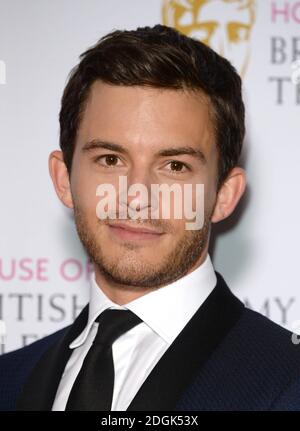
[165, 310]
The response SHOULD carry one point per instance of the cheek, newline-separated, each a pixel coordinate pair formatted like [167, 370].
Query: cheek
[84, 188]
[210, 186]
[210, 199]
[203, 196]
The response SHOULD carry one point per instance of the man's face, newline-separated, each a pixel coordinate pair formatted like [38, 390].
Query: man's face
[144, 123]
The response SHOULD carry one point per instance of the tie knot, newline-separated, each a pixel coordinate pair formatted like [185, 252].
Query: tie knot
[113, 323]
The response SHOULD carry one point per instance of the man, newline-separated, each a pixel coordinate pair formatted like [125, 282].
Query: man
[162, 330]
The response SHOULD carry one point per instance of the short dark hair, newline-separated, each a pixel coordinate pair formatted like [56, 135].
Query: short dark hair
[161, 57]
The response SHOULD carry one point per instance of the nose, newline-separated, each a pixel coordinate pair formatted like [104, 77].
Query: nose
[136, 197]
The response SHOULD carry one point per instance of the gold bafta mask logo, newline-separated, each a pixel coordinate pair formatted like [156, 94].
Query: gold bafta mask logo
[224, 25]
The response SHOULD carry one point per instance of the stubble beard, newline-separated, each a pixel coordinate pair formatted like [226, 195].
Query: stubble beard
[129, 270]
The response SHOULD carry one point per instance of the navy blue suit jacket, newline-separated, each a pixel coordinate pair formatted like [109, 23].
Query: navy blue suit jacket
[227, 357]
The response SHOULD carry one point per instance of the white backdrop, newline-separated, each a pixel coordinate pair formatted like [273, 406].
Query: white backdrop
[43, 269]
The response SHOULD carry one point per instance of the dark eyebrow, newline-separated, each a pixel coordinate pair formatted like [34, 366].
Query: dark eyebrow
[96, 144]
[167, 152]
[177, 151]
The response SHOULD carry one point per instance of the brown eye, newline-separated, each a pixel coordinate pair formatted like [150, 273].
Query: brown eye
[111, 160]
[176, 166]
[108, 160]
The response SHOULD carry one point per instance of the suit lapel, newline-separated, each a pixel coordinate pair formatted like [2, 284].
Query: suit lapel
[171, 376]
[40, 389]
[177, 368]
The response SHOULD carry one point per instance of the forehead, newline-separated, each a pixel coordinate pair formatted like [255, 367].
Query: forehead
[139, 115]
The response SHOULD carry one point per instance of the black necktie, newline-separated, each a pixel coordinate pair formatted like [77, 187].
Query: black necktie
[93, 387]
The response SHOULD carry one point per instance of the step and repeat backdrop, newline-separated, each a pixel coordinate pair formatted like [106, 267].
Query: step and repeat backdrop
[44, 272]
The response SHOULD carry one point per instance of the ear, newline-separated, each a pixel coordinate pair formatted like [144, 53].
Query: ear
[229, 194]
[60, 178]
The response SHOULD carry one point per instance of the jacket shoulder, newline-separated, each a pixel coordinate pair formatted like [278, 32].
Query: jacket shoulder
[271, 357]
[265, 332]
[255, 367]
[15, 367]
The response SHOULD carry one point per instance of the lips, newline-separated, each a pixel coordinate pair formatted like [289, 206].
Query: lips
[135, 229]
[125, 231]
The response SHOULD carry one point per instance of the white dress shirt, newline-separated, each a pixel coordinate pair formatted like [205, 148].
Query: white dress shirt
[164, 312]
